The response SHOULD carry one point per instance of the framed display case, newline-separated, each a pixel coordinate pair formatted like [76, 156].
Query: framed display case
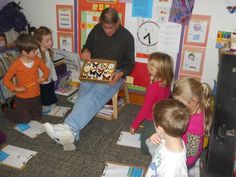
[98, 70]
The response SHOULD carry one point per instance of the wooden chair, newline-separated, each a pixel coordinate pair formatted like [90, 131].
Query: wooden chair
[115, 102]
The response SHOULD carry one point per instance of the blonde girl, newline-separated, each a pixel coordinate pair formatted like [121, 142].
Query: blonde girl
[160, 69]
[48, 98]
[197, 97]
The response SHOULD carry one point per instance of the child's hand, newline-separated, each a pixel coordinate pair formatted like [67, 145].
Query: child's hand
[132, 130]
[20, 89]
[40, 80]
[155, 139]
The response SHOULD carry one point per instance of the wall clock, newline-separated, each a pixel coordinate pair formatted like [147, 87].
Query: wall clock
[148, 33]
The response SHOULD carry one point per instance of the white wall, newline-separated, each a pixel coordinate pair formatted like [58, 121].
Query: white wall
[3, 3]
[221, 20]
[43, 13]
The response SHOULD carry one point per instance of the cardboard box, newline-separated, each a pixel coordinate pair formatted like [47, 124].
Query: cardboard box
[98, 70]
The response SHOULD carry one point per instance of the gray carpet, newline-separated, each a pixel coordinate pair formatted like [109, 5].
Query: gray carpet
[96, 146]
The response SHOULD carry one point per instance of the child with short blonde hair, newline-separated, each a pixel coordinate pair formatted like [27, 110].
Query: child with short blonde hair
[160, 68]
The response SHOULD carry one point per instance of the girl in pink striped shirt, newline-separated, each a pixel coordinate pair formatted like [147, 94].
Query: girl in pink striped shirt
[160, 68]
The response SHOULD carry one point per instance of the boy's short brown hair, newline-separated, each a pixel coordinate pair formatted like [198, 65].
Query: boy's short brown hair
[172, 116]
[27, 43]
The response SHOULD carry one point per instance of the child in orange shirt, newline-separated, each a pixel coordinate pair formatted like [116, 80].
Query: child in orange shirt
[26, 87]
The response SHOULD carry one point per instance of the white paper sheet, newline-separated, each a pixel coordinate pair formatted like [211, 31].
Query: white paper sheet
[35, 128]
[18, 157]
[120, 170]
[127, 139]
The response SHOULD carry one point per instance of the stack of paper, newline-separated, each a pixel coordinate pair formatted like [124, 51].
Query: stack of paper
[72, 98]
[31, 129]
[15, 156]
[107, 110]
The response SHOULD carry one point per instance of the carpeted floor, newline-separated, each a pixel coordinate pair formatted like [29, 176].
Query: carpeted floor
[96, 146]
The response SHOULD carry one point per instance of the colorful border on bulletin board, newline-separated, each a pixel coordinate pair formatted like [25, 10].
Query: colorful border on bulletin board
[192, 60]
[65, 18]
[197, 30]
[65, 41]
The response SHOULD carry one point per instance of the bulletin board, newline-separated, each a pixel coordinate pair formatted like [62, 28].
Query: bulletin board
[152, 33]
[88, 16]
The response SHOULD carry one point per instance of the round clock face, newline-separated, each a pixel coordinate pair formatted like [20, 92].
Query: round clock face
[148, 33]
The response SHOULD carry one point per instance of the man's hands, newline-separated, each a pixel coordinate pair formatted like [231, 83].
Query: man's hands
[115, 77]
[86, 55]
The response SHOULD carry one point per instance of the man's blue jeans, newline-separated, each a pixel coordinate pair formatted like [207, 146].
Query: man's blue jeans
[91, 98]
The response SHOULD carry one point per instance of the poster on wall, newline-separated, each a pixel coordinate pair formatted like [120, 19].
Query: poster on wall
[153, 36]
[162, 11]
[142, 8]
[181, 11]
[66, 41]
[64, 18]
[192, 60]
[197, 30]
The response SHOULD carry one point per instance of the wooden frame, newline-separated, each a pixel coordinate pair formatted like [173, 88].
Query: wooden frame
[192, 61]
[195, 77]
[65, 41]
[98, 70]
[65, 18]
[197, 30]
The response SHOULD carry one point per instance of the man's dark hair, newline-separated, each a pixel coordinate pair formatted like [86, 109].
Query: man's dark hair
[109, 16]
[27, 43]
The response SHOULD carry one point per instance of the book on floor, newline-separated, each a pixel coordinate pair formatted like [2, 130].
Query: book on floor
[31, 129]
[113, 169]
[72, 98]
[58, 111]
[14, 156]
[107, 110]
[66, 91]
[128, 139]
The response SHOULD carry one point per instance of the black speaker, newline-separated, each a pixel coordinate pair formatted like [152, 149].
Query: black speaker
[222, 145]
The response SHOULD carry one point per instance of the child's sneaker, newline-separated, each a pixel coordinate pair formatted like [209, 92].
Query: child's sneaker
[11, 101]
[4, 107]
[60, 133]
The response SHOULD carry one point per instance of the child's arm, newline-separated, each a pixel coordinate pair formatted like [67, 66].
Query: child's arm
[7, 80]
[44, 69]
[193, 138]
[153, 92]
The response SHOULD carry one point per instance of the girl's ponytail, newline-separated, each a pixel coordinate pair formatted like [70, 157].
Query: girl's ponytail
[206, 102]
